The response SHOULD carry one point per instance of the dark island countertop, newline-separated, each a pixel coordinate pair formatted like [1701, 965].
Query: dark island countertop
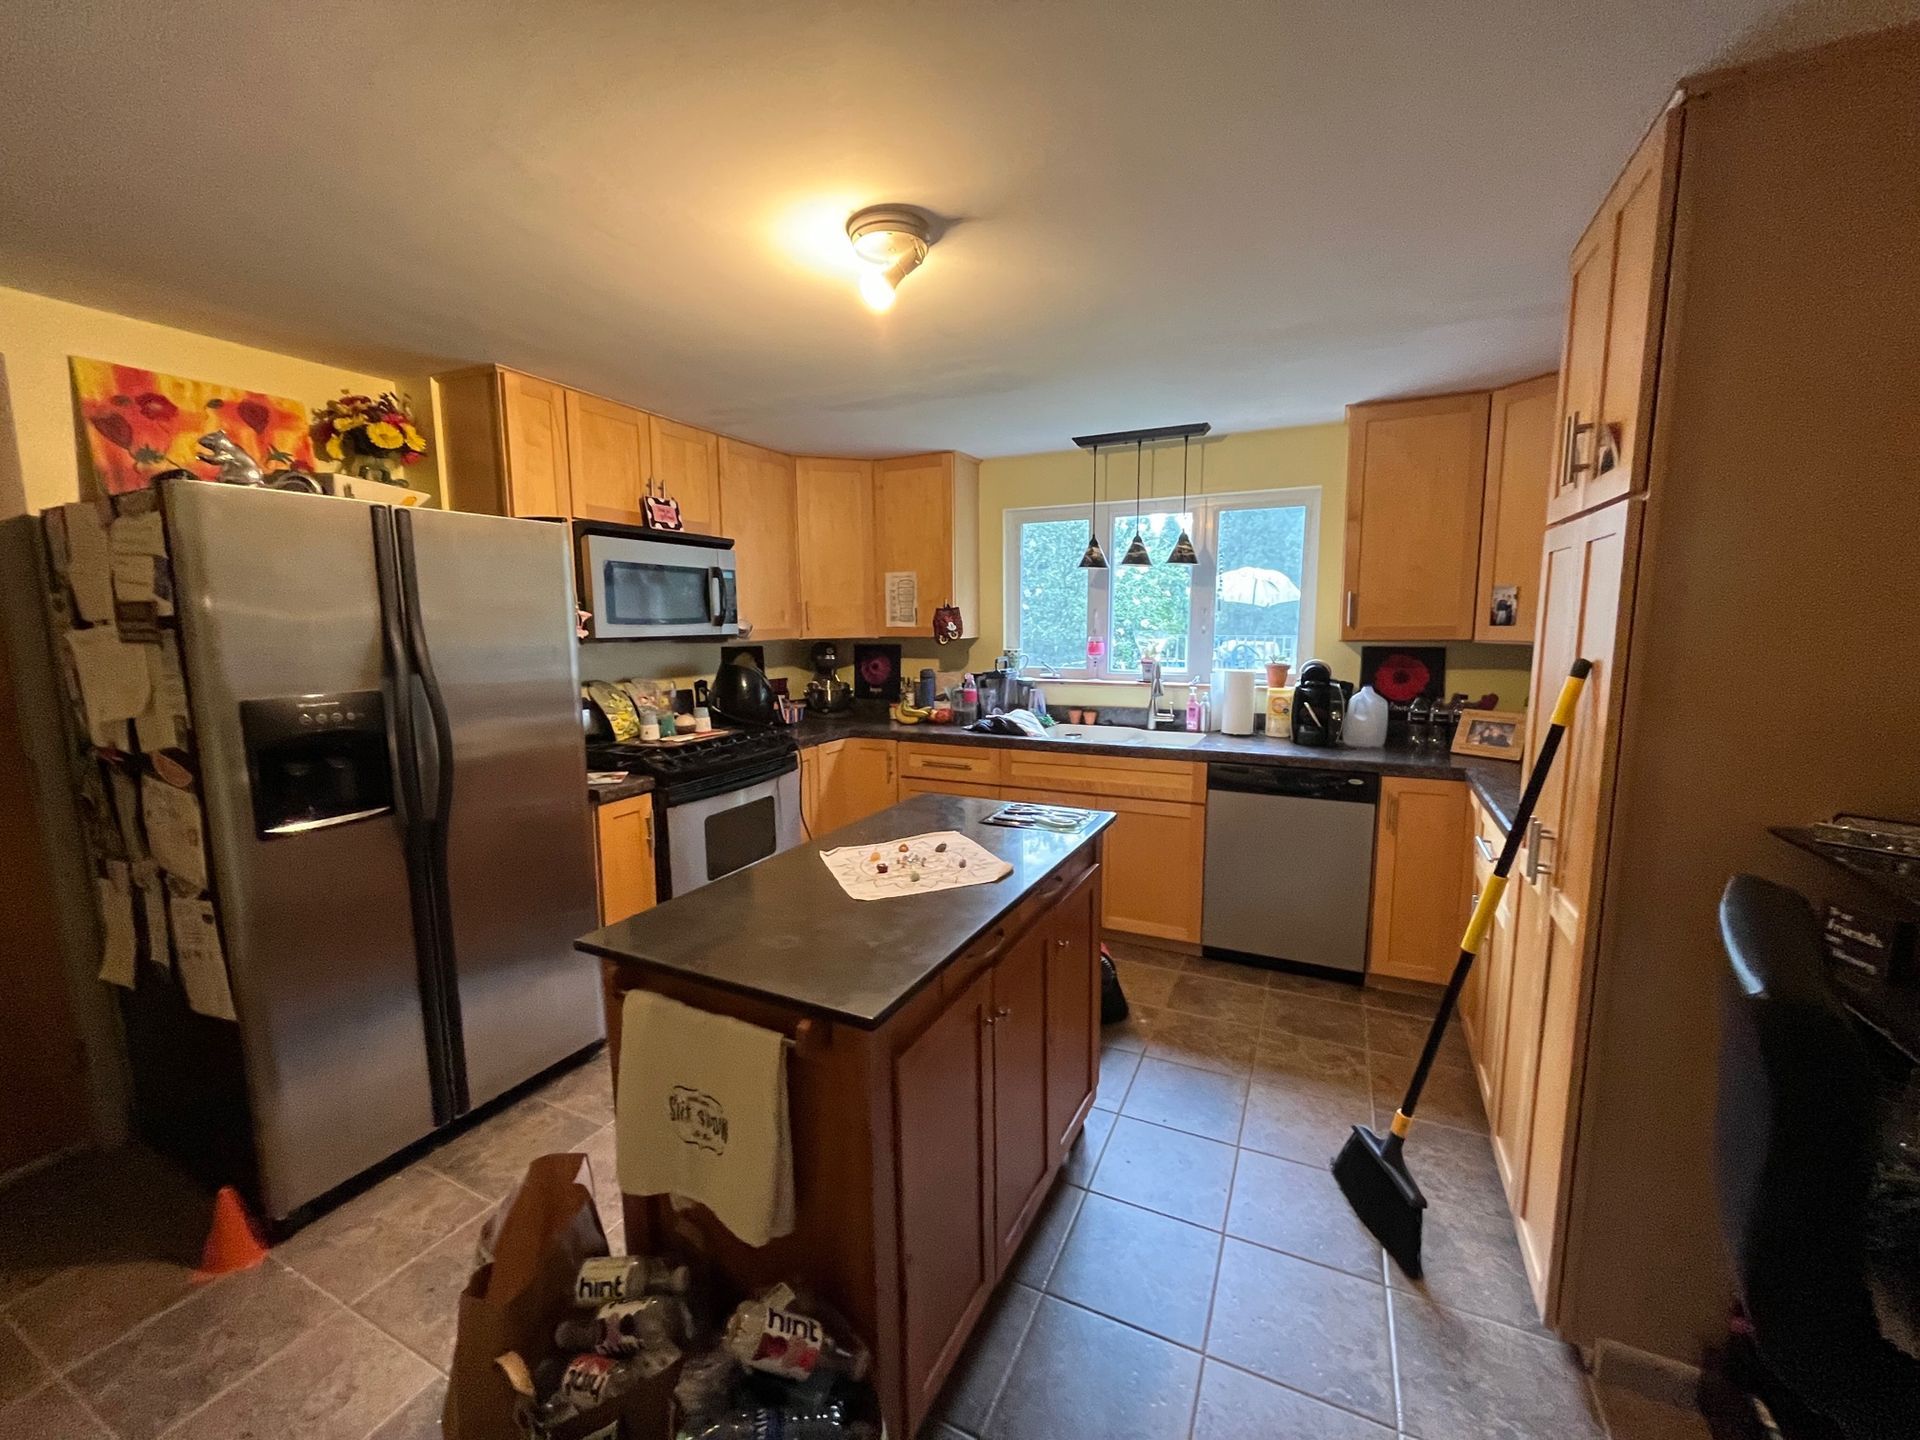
[1496, 782]
[784, 930]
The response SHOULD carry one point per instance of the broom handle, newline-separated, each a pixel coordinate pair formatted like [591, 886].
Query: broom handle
[1490, 892]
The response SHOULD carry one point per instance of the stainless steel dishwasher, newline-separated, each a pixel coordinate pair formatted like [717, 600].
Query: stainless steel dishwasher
[1289, 865]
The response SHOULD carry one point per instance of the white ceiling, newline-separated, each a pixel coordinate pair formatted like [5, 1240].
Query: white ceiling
[1243, 211]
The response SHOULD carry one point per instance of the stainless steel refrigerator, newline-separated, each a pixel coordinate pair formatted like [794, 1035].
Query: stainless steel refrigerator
[386, 703]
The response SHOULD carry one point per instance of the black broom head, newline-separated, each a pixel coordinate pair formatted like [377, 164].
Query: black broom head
[1372, 1173]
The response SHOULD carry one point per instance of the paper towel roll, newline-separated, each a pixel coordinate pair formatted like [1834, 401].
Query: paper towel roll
[1234, 702]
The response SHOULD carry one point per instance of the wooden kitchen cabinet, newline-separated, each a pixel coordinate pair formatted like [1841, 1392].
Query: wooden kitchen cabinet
[686, 464]
[1073, 1011]
[757, 511]
[1416, 473]
[610, 457]
[503, 443]
[1483, 1000]
[943, 1089]
[949, 770]
[624, 852]
[1023, 1148]
[926, 525]
[1419, 902]
[846, 780]
[839, 586]
[1618, 292]
[1514, 509]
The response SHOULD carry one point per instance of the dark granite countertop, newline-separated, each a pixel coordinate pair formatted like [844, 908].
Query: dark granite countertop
[784, 930]
[620, 789]
[1496, 782]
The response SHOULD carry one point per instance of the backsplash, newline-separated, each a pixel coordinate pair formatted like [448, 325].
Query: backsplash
[687, 661]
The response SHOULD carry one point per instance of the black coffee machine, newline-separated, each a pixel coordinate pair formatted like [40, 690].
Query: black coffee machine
[1319, 705]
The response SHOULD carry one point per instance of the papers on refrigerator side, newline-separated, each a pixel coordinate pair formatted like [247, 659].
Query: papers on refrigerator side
[163, 724]
[201, 963]
[89, 563]
[115, 684]
[174, 831]
[118, 944]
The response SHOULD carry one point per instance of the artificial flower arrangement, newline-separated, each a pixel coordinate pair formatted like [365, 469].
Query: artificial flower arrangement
[368, 427]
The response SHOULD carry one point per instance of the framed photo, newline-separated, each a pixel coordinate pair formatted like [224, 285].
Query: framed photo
[1497, 734]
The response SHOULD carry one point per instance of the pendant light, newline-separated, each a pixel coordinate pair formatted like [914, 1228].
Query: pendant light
[1182, 552]
[1093, 557]
[1137, 550]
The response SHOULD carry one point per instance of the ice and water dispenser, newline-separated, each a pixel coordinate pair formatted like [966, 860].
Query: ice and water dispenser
[317, 760]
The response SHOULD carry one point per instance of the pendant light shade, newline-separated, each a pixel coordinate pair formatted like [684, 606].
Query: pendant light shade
[1182, 552]
[1093, 557]
[1137, 550]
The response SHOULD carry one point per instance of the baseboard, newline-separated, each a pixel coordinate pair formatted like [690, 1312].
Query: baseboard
[1654, 1377]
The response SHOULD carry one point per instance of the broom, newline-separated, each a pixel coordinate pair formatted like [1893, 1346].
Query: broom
[1371, 1171]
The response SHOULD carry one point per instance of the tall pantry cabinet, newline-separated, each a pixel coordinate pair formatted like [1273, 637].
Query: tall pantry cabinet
[1735, 498]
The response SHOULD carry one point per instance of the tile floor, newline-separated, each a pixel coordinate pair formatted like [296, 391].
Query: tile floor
[1195, 1274]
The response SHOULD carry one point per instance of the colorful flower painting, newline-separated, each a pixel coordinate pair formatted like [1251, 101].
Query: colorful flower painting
[139, 423]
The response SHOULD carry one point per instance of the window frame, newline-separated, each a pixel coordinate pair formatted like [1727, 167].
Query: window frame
[1205, 534]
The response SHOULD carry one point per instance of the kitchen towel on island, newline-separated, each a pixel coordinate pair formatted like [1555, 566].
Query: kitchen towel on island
[701, 1112]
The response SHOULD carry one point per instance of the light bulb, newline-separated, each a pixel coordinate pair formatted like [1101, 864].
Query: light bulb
[876, 288]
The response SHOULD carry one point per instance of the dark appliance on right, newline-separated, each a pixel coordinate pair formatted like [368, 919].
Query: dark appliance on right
[1319, 704]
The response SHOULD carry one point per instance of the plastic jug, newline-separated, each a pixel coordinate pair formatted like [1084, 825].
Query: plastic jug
[1365, 726]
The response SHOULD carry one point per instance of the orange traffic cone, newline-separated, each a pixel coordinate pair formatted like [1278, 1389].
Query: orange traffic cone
[232, 1243]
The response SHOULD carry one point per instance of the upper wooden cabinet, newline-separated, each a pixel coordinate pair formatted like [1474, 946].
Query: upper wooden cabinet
[1416, 470]
[1614, 314]
[926, 522]
[686, 465]
[611, 455]
[503, 443]
[758, 510]
[839, 591]
[1514, 512]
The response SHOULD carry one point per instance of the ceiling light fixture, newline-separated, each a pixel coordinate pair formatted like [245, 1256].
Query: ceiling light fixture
[1182, 552]
[891, 241]
[1093, 557]
[1137, 550]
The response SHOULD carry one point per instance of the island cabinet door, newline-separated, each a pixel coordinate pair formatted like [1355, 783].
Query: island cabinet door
[1023, 1145]
[942, 1087]
[1073, 1013]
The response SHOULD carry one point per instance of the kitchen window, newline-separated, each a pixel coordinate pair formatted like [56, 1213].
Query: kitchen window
[1249, 601]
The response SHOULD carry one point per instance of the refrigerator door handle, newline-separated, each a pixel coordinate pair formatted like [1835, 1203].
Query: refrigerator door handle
[434, 742]
[393, 647]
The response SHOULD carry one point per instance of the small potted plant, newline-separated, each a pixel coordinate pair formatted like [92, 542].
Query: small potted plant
[369, 435]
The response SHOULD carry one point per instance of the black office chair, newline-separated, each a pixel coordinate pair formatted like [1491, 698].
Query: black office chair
[1795, 1143]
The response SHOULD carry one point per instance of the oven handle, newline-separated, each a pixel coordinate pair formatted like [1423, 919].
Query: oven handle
[728, 783]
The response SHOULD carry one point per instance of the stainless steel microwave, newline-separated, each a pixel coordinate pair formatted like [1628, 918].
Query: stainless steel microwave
[655, 584]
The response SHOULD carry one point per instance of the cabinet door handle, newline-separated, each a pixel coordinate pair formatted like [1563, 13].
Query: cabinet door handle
[1538, 836]
[1486, 850]
[1570, 465]
[1393, 815]
[1061, 944]
[946, 765]
[1352, 609]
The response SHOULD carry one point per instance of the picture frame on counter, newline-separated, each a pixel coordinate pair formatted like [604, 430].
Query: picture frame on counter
[1495, 734]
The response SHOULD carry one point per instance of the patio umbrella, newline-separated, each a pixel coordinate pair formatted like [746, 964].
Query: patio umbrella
[1255, 585]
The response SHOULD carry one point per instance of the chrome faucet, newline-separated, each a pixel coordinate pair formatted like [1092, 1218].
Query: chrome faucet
[1159, 708]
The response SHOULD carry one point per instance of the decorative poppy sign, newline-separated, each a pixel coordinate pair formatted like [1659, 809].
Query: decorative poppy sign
[139, 423]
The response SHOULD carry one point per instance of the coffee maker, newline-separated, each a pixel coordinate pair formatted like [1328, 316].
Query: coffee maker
[1319, 704]
[827, 693]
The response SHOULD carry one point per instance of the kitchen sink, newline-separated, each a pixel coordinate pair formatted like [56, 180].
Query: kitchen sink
[1128, 735]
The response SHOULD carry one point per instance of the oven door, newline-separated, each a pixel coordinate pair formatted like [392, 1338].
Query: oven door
[642, 589]
[718, 834]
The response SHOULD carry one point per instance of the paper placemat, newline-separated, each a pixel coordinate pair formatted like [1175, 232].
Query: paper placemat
[914, 865]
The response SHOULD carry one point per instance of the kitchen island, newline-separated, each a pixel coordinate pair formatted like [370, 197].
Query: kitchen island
[945, 1051]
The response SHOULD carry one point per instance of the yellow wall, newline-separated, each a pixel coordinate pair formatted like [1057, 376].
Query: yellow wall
[1255, 460]
[37, 334]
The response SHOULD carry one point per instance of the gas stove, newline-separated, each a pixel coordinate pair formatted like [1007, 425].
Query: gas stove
[712, 765]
